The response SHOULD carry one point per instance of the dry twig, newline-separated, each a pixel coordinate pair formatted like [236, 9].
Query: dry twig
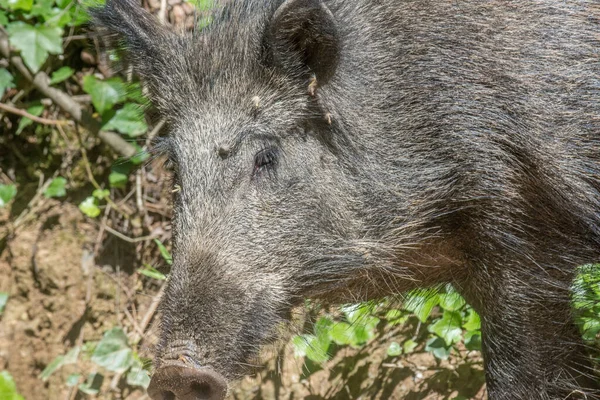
[39, 120]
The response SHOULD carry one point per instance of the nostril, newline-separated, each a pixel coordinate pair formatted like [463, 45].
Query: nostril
[179, 382]
[167, 396]
[202, 390]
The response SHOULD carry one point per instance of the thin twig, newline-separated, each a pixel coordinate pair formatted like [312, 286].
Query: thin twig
[149, 313]
[39, 120]
[127, 238]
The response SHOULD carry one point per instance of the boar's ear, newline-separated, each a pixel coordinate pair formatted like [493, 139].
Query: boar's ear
[302, 35]
[138, 34]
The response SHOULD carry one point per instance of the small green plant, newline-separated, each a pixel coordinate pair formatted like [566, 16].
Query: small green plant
[8, 389]
[113, 353]
[7, 193]
[586, 301]
[453, 323]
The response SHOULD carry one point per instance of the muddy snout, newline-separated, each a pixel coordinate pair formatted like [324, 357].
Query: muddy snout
[178, 382]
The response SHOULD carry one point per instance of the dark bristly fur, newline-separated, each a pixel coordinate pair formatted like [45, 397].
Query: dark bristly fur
[353, 149]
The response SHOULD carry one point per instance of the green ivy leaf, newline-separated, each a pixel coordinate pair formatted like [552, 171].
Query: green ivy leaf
[311, 347]
[164, 252]
[394, 349]
[42, 8]
[101, 194]
[473, 322]
[113, 351]
[105, 93]
[118, 177]
[73, 380]
[342, 333]
[396, 317]
[128, 120]
[58, 362]
[421, 303]
[61, 74]
[300, 345]
[90, 207]
[322, 329]
[24, 5]
[451, 300]
[56, 188]
[137, 375]
[134, 93]
[62, 4]
[448, 328]
[7, 193]
[6, 80]
[35, 42]
[37, 110]
[409, 346]
[473, 340]
[79, 16]
[3, 301]
[93, 384]
[152, 272]
[8, 389]
[3, 19]
[140, 157]
[437, 346]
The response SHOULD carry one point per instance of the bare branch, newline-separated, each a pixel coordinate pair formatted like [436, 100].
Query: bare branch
[39, 120]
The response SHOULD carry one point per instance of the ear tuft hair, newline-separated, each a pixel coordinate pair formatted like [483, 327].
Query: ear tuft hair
[302, 36]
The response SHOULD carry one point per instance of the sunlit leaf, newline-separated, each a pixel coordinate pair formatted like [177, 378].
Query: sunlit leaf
[137, 376]
[3, 301]
[90, 207]
[93, 384]
[128, 120]
[101, 194]
[113, 351]
[473, 322]
[6, 81]
[439, 349]
[105, 93]
[394, 349]
[448, 328]
[35, 42]
[36, 110]
[451, 300]
[473, 340]
[421, 303]
[342, 333]
[73, 380]
[56, 188]
[58, 362]
[24, 5]
[61, 74]
[7, 193]
[409, 346]
[8, 389]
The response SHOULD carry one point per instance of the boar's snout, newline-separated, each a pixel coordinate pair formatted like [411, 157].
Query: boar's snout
[178, 382]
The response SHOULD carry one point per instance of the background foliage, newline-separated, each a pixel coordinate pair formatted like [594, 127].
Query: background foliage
[91, 150]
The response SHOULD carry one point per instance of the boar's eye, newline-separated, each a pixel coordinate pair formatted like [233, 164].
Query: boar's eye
[265, 160]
